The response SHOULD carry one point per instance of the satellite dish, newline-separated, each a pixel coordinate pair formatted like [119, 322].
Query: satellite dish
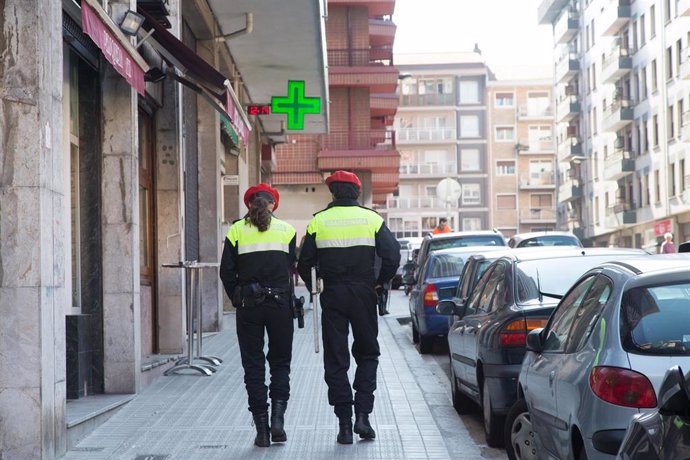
[448, 190]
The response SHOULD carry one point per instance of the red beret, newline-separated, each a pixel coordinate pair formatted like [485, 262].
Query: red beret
[251, 191]
[344, 176]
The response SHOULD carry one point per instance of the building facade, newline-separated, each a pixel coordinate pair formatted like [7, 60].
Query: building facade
[622, 96]
[361, 85]
[522, 156]
[118, 155]
[441, 128]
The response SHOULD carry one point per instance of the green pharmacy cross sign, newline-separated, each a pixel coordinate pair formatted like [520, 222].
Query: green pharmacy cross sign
[295, 105]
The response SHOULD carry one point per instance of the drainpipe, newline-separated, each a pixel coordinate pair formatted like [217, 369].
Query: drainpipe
[663, 91]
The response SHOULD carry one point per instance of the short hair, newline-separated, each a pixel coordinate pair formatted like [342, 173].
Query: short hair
[668, 235]
[442, 220]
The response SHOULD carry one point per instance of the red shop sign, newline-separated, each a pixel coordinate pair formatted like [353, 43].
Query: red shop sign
[663, 226]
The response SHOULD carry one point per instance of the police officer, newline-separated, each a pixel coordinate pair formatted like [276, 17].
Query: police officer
[259, 250]
[342, 241]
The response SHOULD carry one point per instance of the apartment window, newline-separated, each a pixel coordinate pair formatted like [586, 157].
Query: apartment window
[647, 190]
[641, 191]
[541, 200]
[594, 76]
[596, 210]
[643, 83]
[538, 103]
[588, 81]
[471, 224]
[469, 160]
[667, 12]
[409, 87]
[436, 86]
[505, 168]
[672, 180]
[540, 138]
[669, 63]
[503, 100]
[680, 117]
[471, 194]
[652, 22]
[469, 92]
[541, 172]
[644, 138]
[679, 55]
[654, 80]
[469, 125]
[505, 133]
[642, 37]
[671, 125]
[655, 128]
[506, 202]
[595, 166]
[657, 187]
[594, 120]
[587, 37]
[681, 169]
[634, 36]
[593, 33]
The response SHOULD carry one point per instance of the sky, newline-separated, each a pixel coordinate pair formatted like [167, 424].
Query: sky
[513, 44]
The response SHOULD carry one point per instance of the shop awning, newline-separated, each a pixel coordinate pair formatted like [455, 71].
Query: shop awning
[114, 44]
[198, 74]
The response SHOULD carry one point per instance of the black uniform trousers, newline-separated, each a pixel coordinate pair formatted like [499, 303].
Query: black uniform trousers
[344, 305]
[276, 319]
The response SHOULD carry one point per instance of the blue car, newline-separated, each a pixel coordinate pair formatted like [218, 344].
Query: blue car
[437, 280]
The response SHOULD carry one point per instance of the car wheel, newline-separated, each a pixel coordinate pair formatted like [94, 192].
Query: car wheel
[415, 333]
[493, 424]
[426, 344]
[520, 439]
[461, 403]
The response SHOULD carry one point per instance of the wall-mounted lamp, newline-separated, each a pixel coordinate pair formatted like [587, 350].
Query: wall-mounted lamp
[131, 23]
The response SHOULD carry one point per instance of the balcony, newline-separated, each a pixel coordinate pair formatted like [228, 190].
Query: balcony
[569, 192]
[538, 147]
[685, 64]
[528, 113]
[428, 170]
[426, 135]
[358, 57]
[618, 165]
[568, 108]
[619, 215]
[566, 28]
[614, 17]
[685, 127]
[616, 64]
[567, 67]
[549, 9]
[381, 32]
[366, 67]
[375, 7]
[570, 149]
[421, 100]
[543, 181]
[618, 115]
[537, 215]
[383, 105]
[415, 202]
[369, 150]
[683, 7]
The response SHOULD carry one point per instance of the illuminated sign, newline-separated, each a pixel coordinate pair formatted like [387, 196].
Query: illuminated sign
[296, 105]
[258, 110]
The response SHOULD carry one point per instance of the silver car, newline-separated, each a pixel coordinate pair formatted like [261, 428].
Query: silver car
[601, 359]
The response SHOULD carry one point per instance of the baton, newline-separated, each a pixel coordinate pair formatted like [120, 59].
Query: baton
[315, 306]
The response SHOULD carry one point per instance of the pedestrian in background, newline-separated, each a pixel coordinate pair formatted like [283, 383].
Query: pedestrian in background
[668, 247]
[259, 251]
[342, 242]
[442, 227]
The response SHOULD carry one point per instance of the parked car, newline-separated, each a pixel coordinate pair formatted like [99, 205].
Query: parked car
[663, 434]
[550, 238]
[438, 279]
[601, 358]
[516, 294]
[407, 248]
[453, 240]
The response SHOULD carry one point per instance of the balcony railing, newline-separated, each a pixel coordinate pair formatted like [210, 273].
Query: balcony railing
[569, 191]
[618, 165]
[533, 215]
[615, 16]
[532, 147]
[570, 149]
[567, 67]
[617, 64]
[566, 27]
[427, 169]
[543, 180]
[618, 114]
[427, 99]
[568, 108]
[414, 202]
[525, 112]
[353, 57]
[376, 139]
[426, 134]
[620, 214]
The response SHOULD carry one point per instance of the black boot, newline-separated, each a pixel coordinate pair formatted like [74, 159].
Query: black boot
[263, 438]
[345, 433]
[363, 427]
[278, 421]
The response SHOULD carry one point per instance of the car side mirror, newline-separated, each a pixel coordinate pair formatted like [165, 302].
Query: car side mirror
[534, 342]
[673, 395]
[447, 307]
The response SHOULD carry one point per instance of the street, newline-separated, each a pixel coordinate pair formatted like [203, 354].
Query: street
[194, 417]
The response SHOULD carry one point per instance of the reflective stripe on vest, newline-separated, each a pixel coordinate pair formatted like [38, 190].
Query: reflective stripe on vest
[247, 238]
[345, 227]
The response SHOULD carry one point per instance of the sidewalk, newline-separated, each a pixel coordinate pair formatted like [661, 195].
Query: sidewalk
[190, 417]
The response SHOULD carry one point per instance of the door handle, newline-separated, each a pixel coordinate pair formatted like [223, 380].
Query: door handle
[552, 375]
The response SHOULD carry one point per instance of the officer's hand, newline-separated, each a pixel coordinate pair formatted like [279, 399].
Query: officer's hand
[379, 289]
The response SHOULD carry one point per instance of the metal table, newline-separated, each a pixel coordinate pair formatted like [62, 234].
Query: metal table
[193, 276]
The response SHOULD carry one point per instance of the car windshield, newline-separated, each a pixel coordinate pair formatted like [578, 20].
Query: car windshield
[465, 241]
[549, 240]
[655, 320]
[446, 265]
[553, 277]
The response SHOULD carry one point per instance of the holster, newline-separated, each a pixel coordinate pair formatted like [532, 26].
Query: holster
[253, 294]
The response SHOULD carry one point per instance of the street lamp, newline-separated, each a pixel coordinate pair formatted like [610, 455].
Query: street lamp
[448, 190]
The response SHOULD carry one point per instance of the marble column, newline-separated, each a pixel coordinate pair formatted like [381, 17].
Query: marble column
[33, 194]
